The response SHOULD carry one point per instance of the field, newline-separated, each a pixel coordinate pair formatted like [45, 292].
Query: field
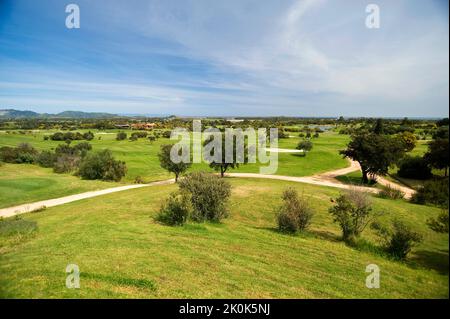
[123, 253]
[25, 183]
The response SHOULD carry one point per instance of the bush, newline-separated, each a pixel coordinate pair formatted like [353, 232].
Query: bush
[305, 145]
[434, 192]
[295, 214]
[166, 134]
[88, 136]
[391, 193]
[102, 165]
[414, 167]
[399, 240]
[209, 195]
[23, 153]
[66, 163]
[439, 224]
[46, 159]
[121, 136]
[175, 210]
[351, 211]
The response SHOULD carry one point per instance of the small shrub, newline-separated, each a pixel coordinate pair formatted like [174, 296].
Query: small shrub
[121, 136]
[439, 224]
[209, 195]
[139, 180]
[66, 163]
[295, 214]
[46, 159]
[391, 193]
[352, 212]
[398, 240]
[414, 167]
[88, 136]
[433, 192]
[175, 210]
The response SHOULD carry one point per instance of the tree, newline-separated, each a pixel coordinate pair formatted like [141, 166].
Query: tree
[221, 164]
[438, 154]
[409, 140]
[378, 127]
[374, 152]
[305, 145]
[167, 163]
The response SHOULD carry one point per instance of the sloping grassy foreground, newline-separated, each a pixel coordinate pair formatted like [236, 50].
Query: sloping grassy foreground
[122, 252]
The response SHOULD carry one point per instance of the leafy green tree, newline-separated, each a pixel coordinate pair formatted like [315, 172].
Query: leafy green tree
[167, 163]
[409, 140]
[305, 145]
[221, 164]
[378, 128]
[438, 154]
[375, 153]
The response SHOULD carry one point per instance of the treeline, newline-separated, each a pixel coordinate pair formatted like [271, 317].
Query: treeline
[78, 159]
[393, 125]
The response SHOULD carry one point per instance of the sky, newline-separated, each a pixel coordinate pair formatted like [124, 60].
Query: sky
[226, 57]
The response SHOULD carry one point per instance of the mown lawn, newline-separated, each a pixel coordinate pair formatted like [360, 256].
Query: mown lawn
[122, 252]
[26, 183]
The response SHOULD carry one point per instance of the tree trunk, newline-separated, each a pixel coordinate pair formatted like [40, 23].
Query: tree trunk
[365, 178]
[222, 171]
[176, 178]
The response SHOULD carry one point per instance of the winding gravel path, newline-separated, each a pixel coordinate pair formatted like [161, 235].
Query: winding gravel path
[324, 179]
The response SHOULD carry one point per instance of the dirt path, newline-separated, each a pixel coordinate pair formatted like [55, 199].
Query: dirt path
[323, 179]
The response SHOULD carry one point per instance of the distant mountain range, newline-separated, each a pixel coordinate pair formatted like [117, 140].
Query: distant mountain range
[16, 114]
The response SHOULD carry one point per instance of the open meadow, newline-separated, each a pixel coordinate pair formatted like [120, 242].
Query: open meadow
[123, 253]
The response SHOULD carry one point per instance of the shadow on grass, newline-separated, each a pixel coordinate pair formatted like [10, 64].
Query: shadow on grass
[355, 180]
[327, 235]
[436, 260]
[120, 281]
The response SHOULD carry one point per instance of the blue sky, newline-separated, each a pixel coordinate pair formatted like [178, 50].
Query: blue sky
[225, 58]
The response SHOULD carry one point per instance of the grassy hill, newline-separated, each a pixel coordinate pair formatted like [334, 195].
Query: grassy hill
[123, 253]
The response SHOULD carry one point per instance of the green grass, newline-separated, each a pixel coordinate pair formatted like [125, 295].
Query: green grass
[123, 253]
[141, 156]
[25, 183]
